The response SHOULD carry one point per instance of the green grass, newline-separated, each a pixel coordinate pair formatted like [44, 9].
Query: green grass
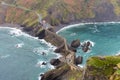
[103, 65]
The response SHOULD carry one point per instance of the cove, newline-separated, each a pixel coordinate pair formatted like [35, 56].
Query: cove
[105, 38]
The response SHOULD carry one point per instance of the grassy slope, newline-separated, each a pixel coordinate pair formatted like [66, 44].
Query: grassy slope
[55, 11]
[97, 68]
[104, 66]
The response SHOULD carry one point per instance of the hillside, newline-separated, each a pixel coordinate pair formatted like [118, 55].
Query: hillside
[97, 68]
[58, 12]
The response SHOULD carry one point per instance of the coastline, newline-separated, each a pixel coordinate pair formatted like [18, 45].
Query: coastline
[61, 26]
[85, 69]
[82, 23]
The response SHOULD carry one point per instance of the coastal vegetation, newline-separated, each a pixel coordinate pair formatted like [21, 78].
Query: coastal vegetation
[97, 68]
[58, 12]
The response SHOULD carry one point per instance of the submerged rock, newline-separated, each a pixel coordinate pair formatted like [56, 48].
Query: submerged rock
[75, 43]
[44, 63]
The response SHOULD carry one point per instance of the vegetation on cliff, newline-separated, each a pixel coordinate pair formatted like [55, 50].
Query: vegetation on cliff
[58, 12]
[97, 68]
[103, 68]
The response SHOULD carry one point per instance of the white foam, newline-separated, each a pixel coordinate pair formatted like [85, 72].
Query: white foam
[19, 45]
[50, 66]
[118, 53]
[39, 77]
[81, 66]
[48, 44]
[58, 55]
[92, 43]
[39, 64]
[72, 34]
[4, 56]
[40, 50]
[76, 25]
[16, 32]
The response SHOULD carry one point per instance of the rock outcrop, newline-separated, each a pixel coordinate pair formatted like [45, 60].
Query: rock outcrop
[79, 60]
[75, 43]
[55, 62]
[97, 68]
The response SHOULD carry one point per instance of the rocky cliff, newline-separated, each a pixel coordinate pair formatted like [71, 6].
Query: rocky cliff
[97, 68]
[58, 12]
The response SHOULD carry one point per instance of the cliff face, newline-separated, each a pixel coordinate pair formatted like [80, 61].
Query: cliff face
[97, 68]
[58, 12]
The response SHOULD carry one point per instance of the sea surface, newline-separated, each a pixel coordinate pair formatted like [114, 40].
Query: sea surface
[21, 55]
[104, 37]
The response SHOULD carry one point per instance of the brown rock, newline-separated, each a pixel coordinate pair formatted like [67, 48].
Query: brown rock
[51, 29]
[79, 60]
[55, 62]
[41, 34]
[75, 43]
[59, 49]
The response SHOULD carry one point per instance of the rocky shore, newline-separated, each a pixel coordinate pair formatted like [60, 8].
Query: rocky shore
[97, 68]
[60, 14]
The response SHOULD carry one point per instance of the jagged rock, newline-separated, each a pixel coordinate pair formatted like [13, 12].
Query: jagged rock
[28, 29]
[51, 29]
[55, 62]
[41, 74]
[79, 60]
[85, 49]
[88, 43]
[41, 34]
[54, 75]
[72, 49]
[44, 63]
[59, 49]
[75, 43]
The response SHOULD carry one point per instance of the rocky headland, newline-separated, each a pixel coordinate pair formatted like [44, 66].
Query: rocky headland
[59, 13]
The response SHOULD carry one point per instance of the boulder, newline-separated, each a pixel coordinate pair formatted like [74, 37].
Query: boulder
[55, 62]
[41, 34]
[85, 49]
[79, 60]
[75, 43]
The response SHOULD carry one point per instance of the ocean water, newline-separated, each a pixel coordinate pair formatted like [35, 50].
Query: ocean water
[105, 38]
[21, 55]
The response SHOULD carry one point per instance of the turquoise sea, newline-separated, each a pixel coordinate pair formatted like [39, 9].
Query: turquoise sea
[21, 54]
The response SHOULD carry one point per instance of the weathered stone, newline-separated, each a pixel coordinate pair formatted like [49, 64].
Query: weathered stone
[27, 29]
[59, 49]
[75, 43]
[51, 29]
[41, 34]
[57, 74]
[55, 62]
[72, 49]
[85, 49]
[79, 60]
